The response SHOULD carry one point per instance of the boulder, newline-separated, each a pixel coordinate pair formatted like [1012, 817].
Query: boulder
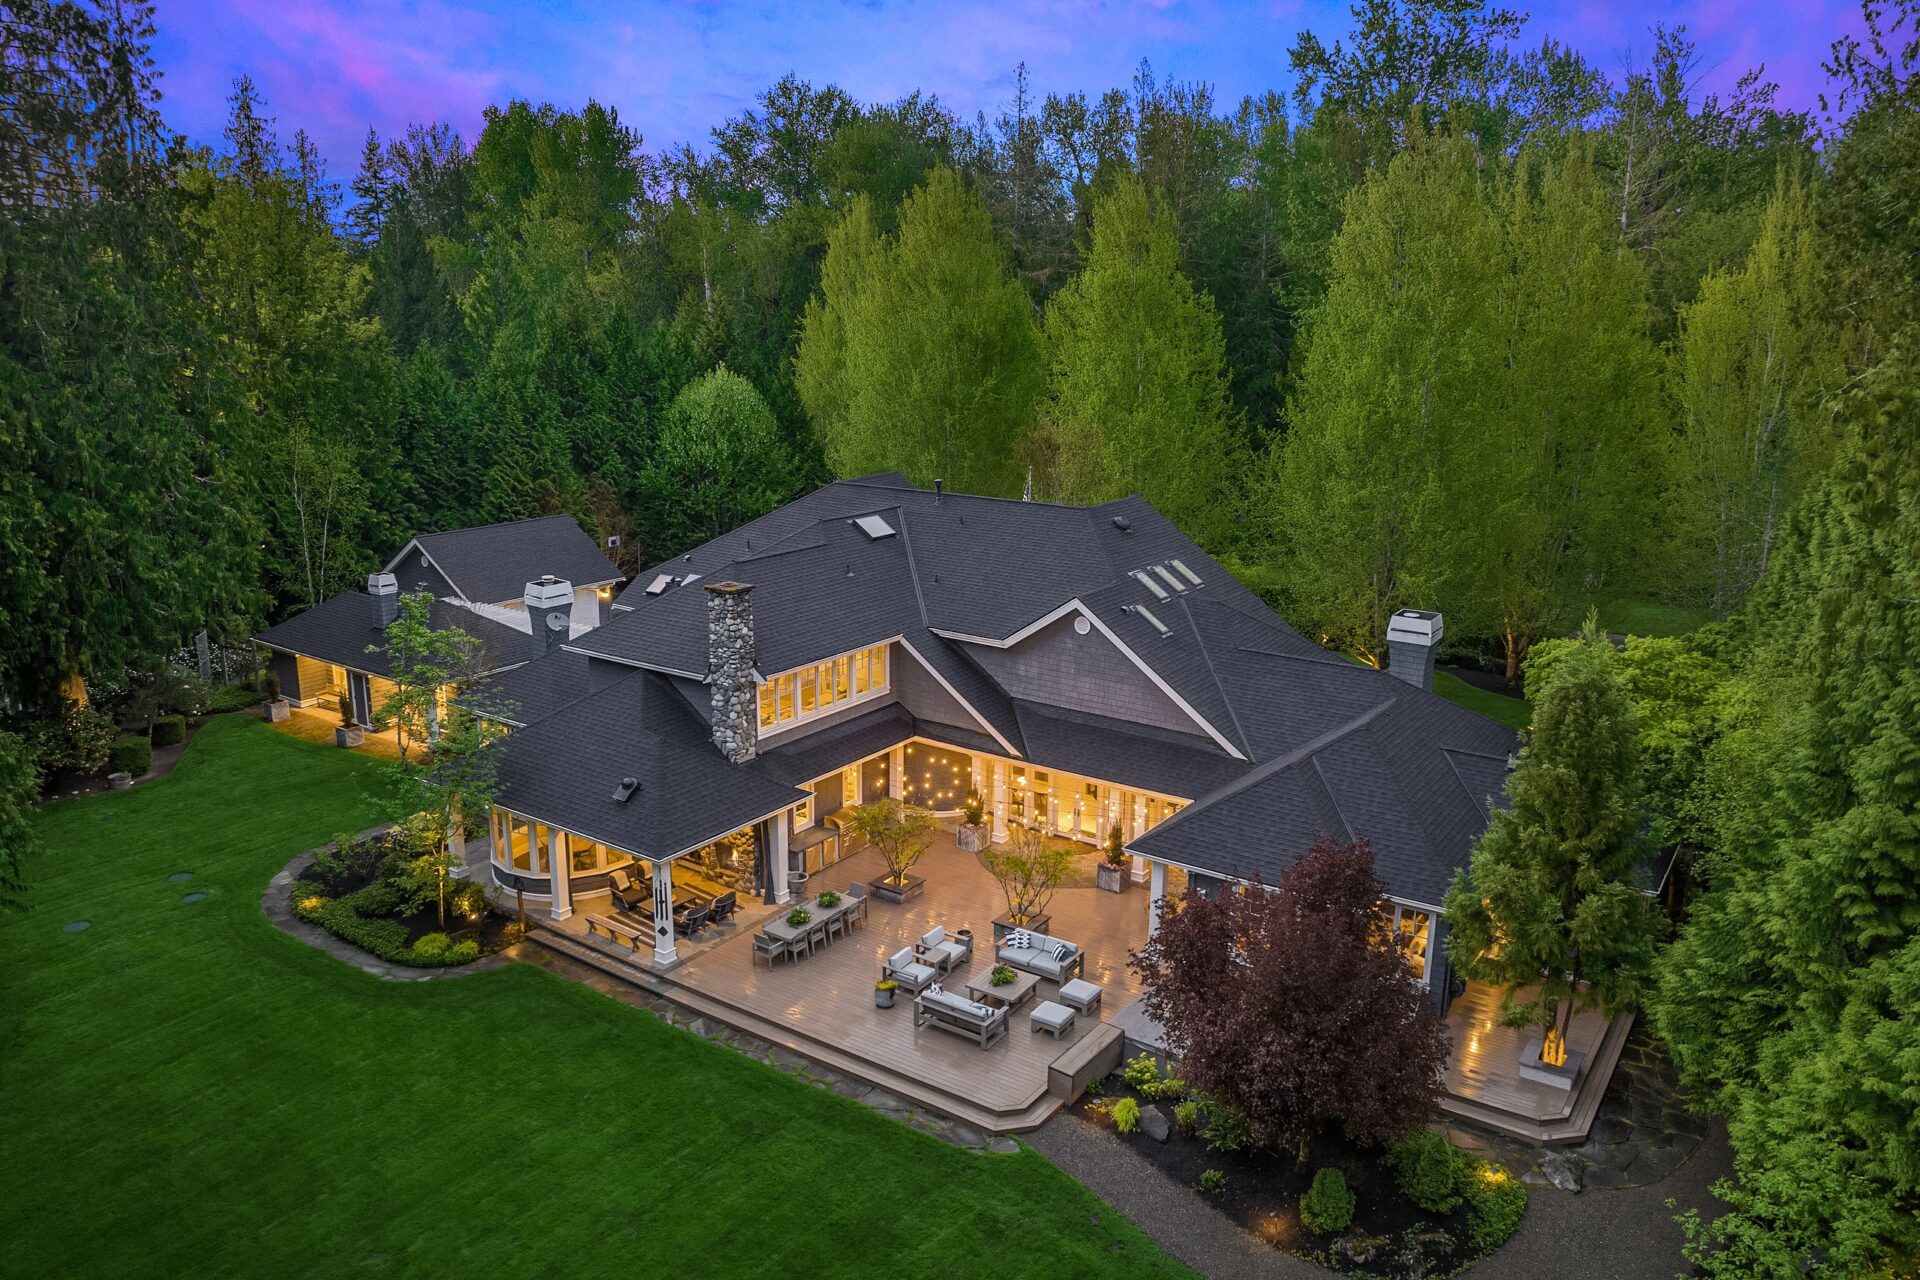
[1154, 1123]
[1564, 1172]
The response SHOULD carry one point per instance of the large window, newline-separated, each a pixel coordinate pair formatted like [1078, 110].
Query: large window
[1416, 927]
[795, 696]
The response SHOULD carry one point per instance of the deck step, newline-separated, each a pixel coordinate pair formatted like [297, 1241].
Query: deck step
[929, 1096]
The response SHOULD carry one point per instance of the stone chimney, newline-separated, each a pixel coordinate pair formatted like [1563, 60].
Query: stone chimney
[386, 597]
[1413, 637]
[730, 660]
[550, 609]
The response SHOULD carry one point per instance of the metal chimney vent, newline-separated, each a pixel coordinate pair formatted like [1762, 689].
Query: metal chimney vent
[624, 792]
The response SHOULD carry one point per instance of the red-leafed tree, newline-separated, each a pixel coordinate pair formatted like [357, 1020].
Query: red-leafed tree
[1297, 1005]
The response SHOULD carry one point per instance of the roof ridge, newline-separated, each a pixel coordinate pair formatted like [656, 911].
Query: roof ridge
[913, 564]
[1262, 772]
[1332, 799]
[1213, 674]
[499, 524]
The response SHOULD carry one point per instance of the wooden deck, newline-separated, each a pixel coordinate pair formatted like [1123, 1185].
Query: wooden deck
[823, 1006]
[1483, 1080]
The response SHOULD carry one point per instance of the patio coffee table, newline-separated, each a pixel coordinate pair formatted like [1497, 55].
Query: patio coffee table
[1012, 995]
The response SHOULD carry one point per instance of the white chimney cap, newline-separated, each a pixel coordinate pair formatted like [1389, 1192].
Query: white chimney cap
[548, 593]
[381, 584]
[1415, 626]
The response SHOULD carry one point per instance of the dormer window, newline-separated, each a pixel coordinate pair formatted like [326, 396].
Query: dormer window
[793, 697]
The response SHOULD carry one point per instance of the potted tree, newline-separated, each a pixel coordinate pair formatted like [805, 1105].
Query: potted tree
[1028, 872]
[1111, 874]
[972, 836]
[902, 833]
[348, 734]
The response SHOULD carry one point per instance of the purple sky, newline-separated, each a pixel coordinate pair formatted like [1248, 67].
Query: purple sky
[674, 68]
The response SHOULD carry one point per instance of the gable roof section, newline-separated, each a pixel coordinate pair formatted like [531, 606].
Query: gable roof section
[342, 630]
[493, 563]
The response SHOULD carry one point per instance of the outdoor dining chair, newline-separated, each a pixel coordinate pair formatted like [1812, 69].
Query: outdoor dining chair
[857, 891]
[765, 944]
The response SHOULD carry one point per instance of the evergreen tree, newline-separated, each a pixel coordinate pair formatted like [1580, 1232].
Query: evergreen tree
[1138, 398]
[371, 187]
[19, 788]
[940, 367]
[717, 462]
[1547, 908]
[1749, 365]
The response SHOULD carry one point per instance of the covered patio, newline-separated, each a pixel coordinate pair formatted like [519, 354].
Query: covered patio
[822, 1005]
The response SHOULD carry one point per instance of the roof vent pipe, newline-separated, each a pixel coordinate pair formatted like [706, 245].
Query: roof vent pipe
[939, 487]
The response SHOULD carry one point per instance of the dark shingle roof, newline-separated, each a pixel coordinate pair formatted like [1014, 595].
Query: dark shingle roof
[565, 769]
[342, 630]
[530, 693]
[1303, 743]
[493, 564]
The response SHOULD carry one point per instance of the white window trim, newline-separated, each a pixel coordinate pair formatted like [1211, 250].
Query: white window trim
[804, 718]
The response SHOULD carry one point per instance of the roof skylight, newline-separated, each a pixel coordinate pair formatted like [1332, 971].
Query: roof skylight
[1152, 621]
[1185, 572]
[660, 583]
[1171, 581]
[874, 527]
[1146, 580]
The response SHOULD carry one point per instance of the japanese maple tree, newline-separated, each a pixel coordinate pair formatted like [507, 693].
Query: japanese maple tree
[1297, 1004]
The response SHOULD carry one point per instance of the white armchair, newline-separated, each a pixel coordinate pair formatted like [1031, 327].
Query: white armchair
[908, 972]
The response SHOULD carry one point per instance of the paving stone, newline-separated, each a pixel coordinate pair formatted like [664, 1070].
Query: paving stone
[179, 876]
[76, 926]
[1003, 1146]
[858, 1090]
[1564, 1171]
[962, 1134]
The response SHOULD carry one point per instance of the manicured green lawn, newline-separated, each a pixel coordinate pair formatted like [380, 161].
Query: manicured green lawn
[1511, 712]
[188, 1091]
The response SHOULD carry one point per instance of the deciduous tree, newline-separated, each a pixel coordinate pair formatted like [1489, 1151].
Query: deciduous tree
[1297, 1005]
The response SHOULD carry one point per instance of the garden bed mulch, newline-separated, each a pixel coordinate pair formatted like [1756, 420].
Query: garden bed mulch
[1391, 1237]
[492, 932]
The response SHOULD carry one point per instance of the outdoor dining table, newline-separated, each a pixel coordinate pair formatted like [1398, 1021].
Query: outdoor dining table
[778, 928]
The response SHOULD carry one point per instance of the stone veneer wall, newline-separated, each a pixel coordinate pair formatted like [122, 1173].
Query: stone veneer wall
[730, 659]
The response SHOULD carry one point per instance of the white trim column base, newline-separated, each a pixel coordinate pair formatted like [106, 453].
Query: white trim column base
[1156, 895]
[557, 863]
[664, 952]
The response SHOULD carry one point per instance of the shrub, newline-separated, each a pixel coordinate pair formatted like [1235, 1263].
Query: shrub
[469, 900]
[1126, 1115]
[828, 898]
[432, 946]
[232, 697]
[378, 899]
[1186, 1116]
[464, 952]
[1170, 1089]
[1001, 975]
[1430, 1170]
[130, 753]
[1141, 1072]
[799, 916]
[1213, 1182]
[1328, 1205]
[1496, 1201]
[269, 684]
[77, 738]
[1228, 1128]
[169, 731]
[1096, 1087]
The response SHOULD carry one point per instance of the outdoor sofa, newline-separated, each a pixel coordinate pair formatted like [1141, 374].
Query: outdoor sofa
[953, 1012]
[1037, 953]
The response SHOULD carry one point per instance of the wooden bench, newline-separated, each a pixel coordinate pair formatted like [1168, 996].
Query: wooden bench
[618, 932]
[1093, 1056]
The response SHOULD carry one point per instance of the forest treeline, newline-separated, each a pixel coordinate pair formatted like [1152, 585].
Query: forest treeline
[1452, 319]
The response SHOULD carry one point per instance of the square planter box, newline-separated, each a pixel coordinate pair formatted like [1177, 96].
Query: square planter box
[1004, 925]
[349, 737]
[278, 710]
[971, 839]
[913, 888]
[1111, 878]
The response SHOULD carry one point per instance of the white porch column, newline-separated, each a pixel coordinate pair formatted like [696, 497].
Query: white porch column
[777, 855]
[897, 773]
[663, 950]
[558, 862]
[1139, 829]
[433, 715]
[999, 799]
[1156, 894]
[457, 844]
